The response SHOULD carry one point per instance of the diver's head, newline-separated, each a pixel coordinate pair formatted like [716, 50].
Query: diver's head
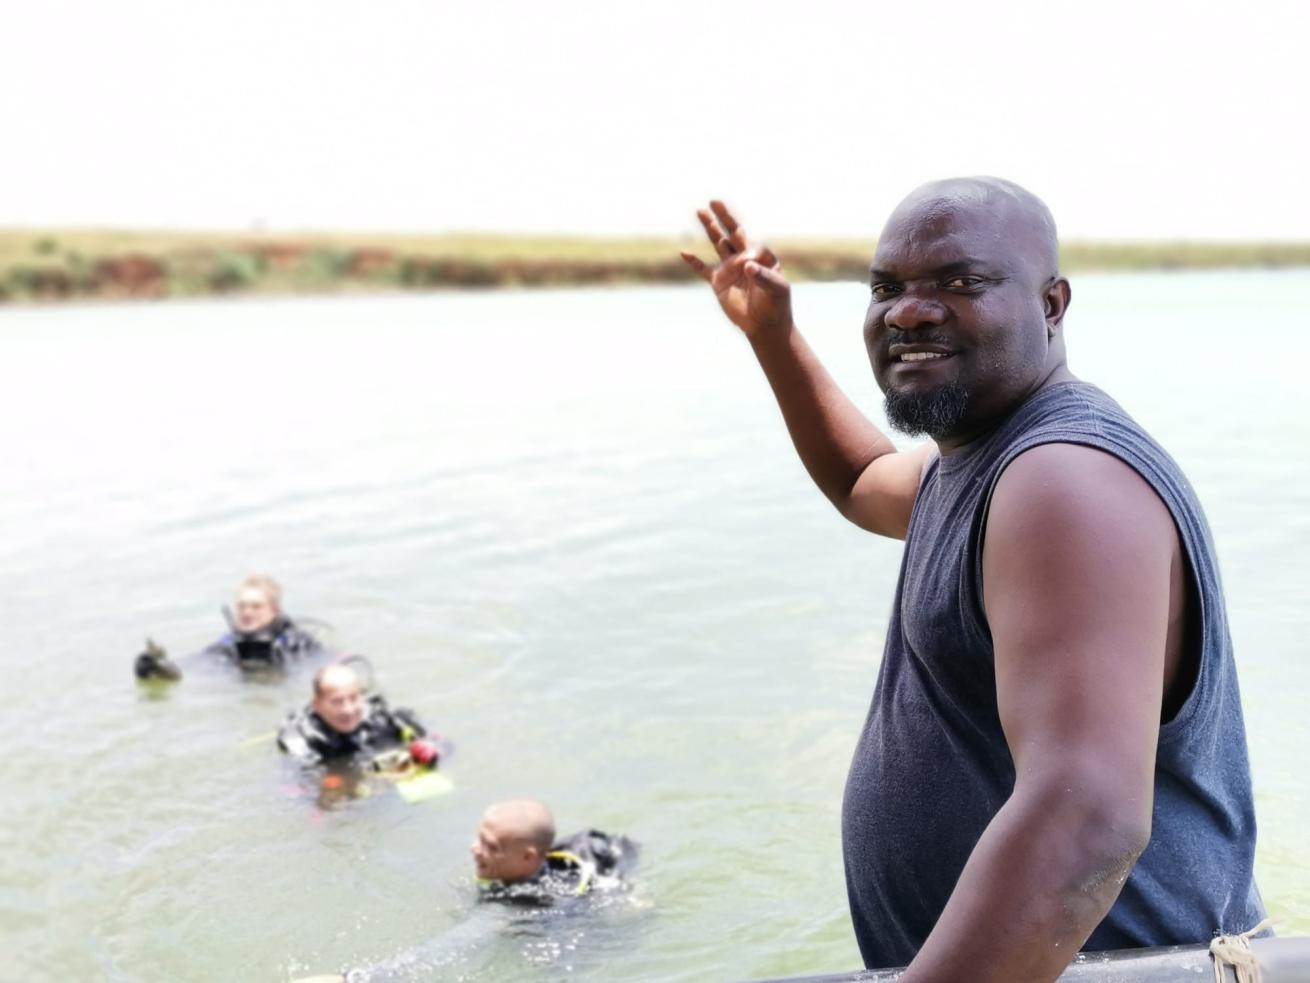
[258, 603]
[339, 698]
[513, 840]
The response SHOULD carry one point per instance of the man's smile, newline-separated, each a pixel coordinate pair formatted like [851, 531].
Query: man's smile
[921, 359]
[920, 356]
[902, 353]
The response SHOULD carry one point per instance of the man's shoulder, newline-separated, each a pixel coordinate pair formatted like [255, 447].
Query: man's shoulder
[378, 712]
[605, 853]
[300, 737]
[1065, 462]
[292, 635]
[299, 719]
[1060, 492]
[1080, 412]
[1074, 436]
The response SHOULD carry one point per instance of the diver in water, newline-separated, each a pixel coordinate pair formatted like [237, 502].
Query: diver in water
[346, 725]
[261, 635]
[519, 860]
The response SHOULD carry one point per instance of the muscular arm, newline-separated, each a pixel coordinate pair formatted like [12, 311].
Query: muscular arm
[1081, 573]
[852, 462]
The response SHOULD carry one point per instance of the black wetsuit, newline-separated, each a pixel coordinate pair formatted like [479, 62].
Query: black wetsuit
[307, 737]
[574, 866]
[280, 643]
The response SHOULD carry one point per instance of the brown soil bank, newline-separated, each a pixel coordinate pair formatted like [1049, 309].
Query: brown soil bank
[72, 264]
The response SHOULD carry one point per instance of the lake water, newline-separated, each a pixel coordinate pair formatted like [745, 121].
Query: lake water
[569, 529]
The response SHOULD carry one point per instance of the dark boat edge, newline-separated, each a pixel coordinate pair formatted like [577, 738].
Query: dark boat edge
[1281, 959]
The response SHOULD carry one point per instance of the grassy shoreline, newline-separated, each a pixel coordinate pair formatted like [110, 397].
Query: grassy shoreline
[50, 265]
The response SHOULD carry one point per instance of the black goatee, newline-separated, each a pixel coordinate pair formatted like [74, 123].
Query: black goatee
[935, 414]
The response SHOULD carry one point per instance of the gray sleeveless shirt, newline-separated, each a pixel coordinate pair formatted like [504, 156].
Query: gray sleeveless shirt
[932, 766]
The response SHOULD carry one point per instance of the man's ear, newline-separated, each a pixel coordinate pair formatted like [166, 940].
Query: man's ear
[1055, 301]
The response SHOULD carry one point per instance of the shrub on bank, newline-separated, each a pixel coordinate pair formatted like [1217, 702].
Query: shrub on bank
[96, 265]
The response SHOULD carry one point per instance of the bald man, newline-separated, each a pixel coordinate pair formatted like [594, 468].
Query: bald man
[517, 857]
[343, 724]
[1054, 757]
[518, 861]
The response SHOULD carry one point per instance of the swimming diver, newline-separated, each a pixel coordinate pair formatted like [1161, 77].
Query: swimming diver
[344, 724]
[261, 635]
[519, 860]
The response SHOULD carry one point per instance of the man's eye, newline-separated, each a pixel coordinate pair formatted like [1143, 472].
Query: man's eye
[884, 291]
[964, 282]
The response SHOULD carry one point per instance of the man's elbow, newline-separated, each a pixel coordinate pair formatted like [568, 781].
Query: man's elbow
[1098, 827]
[1113, 828]
[1113, 850]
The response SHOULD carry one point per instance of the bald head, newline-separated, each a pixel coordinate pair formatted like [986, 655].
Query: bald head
[966, 275]
[339, 698]
[525, 821]
[1014, 215]
[513, 839]
[335, 676]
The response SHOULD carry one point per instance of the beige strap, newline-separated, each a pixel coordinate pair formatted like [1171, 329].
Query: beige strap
[1235, 951]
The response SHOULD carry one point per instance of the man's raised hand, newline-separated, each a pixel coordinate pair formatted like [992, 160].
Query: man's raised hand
[747, 280]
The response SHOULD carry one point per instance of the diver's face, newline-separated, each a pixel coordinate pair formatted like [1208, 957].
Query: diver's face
[254, 611]
[341, 705]
[498, 856]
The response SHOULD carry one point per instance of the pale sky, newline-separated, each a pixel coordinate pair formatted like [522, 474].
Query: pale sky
[1133, 120]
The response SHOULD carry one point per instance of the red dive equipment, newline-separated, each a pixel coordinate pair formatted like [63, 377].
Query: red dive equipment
[424, 752]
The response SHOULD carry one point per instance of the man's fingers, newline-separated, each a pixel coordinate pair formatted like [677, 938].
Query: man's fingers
[762, 265]
[771, 280]
[695, 263]
[724, 216]
[730, 226]
[716, 234]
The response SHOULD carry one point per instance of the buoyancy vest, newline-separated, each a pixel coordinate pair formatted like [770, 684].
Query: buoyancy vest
[309, 739]
[280, 643]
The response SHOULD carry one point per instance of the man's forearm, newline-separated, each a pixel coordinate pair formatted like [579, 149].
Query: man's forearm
[835, 441]
[1041, 878]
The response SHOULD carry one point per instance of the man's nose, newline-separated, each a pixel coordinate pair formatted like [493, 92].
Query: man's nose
[912, 310]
